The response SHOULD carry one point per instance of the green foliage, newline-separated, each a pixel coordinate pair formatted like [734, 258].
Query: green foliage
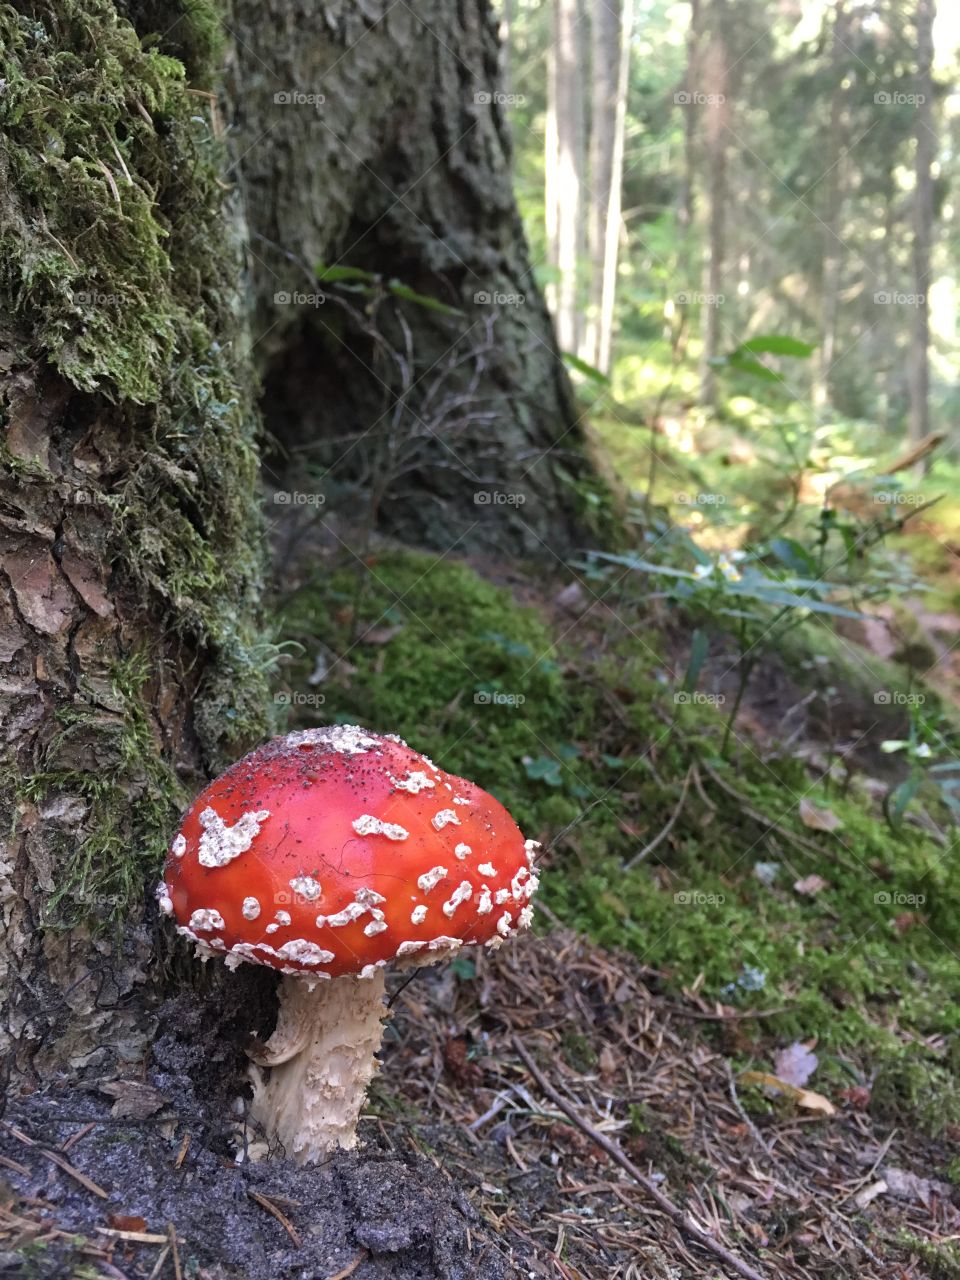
[836, 960]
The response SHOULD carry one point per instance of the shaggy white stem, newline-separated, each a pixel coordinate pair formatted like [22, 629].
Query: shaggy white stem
[313, 1072]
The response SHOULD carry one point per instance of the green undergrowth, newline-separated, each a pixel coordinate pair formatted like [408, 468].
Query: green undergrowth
[591, 762]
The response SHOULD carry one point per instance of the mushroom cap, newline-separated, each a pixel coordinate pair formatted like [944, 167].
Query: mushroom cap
[336, 851]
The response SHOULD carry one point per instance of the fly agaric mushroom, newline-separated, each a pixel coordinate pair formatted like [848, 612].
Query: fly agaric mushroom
[329, 854]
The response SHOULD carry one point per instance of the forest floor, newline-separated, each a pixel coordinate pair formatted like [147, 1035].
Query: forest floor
[488, 1154]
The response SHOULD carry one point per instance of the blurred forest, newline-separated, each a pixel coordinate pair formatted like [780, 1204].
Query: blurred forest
[569, 387]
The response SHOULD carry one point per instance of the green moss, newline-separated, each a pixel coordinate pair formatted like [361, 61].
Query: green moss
[590, 746]
[942, 1261]
[118, 271]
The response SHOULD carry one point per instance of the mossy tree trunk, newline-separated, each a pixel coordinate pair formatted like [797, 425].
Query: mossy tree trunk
[128, 520]
[375, 137]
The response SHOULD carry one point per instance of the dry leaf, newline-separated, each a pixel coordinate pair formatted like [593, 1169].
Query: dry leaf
[126, 1222]
[134, 1101]
[795, 1064]
[810, 885]
[805, 1098]
[818, 819]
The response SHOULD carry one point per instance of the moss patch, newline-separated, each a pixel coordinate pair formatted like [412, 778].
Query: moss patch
[867, 962]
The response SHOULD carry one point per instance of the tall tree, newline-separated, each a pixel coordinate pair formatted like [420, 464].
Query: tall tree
[832, 260]
[715, 110]
[565, 167]
[612, 25]
[925, 143]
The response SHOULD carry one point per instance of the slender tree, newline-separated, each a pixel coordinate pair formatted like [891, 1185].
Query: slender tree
[832, 259]
[565, 167]
[715, 109]
[925, 143]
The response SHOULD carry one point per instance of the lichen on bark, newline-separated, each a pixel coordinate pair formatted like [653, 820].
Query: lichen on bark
[128, 471]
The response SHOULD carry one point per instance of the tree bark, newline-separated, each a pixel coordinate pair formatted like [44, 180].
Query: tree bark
[611, 31]
[129, 526]
[402, 171]
[715, 135]
[566, 191]
[832, 260]
[919, 363]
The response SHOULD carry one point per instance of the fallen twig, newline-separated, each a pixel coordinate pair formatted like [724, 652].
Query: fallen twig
[665, 831]
[351, 1267]
[280, 1216]
[683, 1221]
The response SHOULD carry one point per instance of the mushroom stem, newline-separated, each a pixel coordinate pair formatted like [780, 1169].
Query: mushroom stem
[318, 1063]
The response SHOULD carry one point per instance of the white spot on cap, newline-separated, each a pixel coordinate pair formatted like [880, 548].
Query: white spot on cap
[304, 952]
[444, 944]
[347, 739]
[460, 800]
[485, 905]
[501, 896]
[463, 851]
[414, 782]
[463, 893]
[530, 848]
[418, 914]
[408, 948]
[206, 918]
[163, 898]
[503, 924]
[282, 917]
[307, 887]
[251, 908]
[369, 897]
[525, 918]
[368, 825]
[370, 970]
[272, 928]
[220, 844]
[531, 887]
[430, 879]
[445, 818]
[516, 886]
[352, 911]
[375, 927]
[487, 869]
[179, 846]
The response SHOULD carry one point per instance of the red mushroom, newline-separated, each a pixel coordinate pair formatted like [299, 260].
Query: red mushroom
[329, 854]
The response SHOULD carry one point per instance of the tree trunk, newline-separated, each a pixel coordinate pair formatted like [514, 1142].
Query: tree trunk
[130, 532]
[714, 107]
[611, 30]
[460, 426]
[566, 167]
[831, 263]
[919, 365]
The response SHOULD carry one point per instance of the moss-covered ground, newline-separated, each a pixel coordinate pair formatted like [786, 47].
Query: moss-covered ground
[575, 727]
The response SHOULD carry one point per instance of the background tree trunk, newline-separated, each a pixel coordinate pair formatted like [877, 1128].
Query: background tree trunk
[919, 365]
[612, 25]
[403, 170]
[833, 205]
[566, 192]
[714, 133]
